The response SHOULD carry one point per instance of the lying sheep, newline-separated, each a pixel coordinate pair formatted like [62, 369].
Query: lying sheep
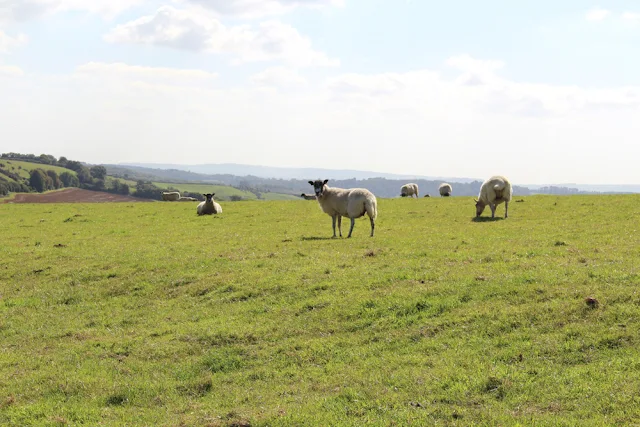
[308, 196]
[209, 206]
[445, 189]
[351, 203]
[409, 190]
[494, 191]
[170, 196]
[187, 199]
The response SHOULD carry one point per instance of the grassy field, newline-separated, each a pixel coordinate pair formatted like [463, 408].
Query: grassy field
[24, 168]
[146, 314]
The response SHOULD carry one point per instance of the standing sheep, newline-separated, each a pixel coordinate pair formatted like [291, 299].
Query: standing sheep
[209, 206]
[445, 189]
[494, 191]
[351, 203]
[170, 196]
[409, 190]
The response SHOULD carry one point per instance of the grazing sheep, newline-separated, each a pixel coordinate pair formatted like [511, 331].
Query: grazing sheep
[409, 190]
[170, 196]
[209, 206]
[187, 199]
[308, 196]
[427, 195]
[351, 203]
[494, 191]
[445, 189]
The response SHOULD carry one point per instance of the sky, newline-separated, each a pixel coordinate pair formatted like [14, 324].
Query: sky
[542, 92]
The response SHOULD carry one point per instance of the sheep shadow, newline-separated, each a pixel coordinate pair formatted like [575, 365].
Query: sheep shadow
[312, 238]
[486, 219]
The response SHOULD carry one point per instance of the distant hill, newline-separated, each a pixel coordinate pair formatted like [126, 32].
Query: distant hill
[286, 173]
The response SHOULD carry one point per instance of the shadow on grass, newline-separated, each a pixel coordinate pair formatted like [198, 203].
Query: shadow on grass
[311, 238]
[486, 219]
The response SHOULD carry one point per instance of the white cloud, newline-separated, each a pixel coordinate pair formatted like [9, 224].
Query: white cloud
[11, 71]
[278, 77]
[137, 71]
[633, 17]
[539, 133]
[195, 31]
[24, 10]
[597, 14]
[258, 8]
[8, 43]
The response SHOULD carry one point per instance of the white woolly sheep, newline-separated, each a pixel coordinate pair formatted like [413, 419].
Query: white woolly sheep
[351, 203]
[187, 199]
[209, 206]
[409, 190]
[494, 191]
[170, 196]
[445, 189]
[308, 196]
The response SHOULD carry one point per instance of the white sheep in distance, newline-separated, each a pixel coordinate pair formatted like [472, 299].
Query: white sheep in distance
[187, 199]
[494, 191]
[409, 190]
[351, 203]
[308, 196]
[170, 196]
[209, 206]
[445, 189]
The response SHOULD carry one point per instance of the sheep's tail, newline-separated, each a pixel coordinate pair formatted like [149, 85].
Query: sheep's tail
[371, 205]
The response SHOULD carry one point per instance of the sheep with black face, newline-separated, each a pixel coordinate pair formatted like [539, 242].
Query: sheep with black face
[350, 203]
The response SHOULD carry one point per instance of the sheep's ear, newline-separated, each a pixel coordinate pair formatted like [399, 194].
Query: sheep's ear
[325, 181]
[204, 195]
[311, 182]
[475, 200]
[213, 194]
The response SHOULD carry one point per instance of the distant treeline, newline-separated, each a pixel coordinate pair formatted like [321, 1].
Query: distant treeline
[381, 187]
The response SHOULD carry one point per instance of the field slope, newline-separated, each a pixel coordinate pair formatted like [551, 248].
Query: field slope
[146, 314]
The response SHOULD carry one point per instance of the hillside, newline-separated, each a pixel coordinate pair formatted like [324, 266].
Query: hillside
[256, 317]
[24, 168]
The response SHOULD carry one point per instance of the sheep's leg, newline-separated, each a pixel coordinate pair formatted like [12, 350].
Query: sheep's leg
[373, 225]
[340, 225]
[353, 222]
[333, 221]
[493, 210]
[506, 209]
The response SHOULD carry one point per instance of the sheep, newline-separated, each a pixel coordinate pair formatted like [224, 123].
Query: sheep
[445, 189]
[409, 190]
[308, 196]
[494, 191]
[187, 199]
[209, 206]
[350, 203]
[427, 195]
[170, 196]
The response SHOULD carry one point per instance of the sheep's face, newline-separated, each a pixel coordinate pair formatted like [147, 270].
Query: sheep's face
[209, 197]
[403, 194]
[318, 186]
[479, 208]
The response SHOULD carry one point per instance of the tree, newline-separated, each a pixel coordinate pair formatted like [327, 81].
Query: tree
[98, 172]
[62, 161]
[38, 180]
[69, 180]
[55, 179]
[84, 176]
